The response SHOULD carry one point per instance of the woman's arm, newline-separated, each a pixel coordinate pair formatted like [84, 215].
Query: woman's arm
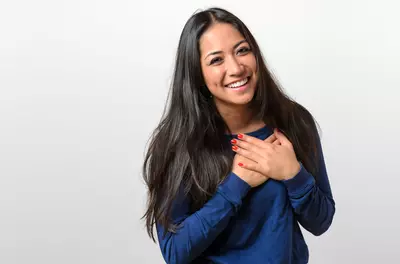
[312, 199]
[197, 231]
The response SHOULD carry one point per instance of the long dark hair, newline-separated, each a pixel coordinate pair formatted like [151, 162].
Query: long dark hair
[187, 152]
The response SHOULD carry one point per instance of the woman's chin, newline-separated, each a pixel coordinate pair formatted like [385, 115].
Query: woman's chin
[238, 101]
[243, 99]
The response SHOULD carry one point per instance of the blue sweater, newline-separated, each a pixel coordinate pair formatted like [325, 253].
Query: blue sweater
[260, 225]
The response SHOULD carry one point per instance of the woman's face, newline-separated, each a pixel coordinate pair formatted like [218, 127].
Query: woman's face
[228, 65]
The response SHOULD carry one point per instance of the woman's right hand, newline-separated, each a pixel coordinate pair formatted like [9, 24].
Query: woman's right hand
[252, 178]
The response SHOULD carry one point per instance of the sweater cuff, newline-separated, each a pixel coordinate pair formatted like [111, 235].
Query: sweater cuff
[234, 188]
[299, 182]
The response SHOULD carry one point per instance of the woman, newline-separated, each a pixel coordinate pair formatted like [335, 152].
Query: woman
[224, 184]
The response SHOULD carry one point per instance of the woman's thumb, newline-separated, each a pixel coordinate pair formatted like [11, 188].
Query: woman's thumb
[281, 137]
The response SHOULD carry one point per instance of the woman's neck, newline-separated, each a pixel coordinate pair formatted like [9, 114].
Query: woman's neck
[240, 119]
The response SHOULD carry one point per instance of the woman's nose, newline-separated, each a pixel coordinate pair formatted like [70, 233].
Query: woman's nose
[234, 67]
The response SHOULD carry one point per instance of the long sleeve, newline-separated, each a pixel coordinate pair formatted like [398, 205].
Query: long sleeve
[197, 231]
[312, 199]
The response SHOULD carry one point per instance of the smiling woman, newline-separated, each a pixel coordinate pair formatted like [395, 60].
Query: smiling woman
[224, 184]
[229, 67]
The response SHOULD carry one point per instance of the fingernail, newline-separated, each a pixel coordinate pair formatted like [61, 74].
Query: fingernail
[233, 141]
[240, 136]
[234, 147]
[240, 164]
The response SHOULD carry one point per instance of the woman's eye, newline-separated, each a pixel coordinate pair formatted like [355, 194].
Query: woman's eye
[243, 50]
[215, 60]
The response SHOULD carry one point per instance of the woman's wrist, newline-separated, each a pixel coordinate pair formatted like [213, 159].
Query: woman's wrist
[293, 171]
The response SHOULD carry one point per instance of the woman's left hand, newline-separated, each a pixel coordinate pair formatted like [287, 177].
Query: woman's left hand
[277, 161]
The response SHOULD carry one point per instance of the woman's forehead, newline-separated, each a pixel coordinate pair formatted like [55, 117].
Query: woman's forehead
[219, 37]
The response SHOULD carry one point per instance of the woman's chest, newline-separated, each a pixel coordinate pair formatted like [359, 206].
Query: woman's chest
[263, 201]
[262, 209]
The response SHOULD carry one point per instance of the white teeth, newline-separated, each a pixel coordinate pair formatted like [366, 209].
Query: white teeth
[239, 83]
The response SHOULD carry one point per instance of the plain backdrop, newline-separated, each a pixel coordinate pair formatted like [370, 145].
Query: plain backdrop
[83, 83]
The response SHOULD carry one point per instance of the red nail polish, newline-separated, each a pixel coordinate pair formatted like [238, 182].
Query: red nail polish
[240, 164]
[233, 141]
[234, 147]
[240, 136]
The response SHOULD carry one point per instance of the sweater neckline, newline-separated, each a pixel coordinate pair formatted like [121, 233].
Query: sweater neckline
[261, 131]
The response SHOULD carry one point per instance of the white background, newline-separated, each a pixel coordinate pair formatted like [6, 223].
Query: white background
[83, 83]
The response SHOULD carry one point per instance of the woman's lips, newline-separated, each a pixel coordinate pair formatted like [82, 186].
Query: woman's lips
[240, 88]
